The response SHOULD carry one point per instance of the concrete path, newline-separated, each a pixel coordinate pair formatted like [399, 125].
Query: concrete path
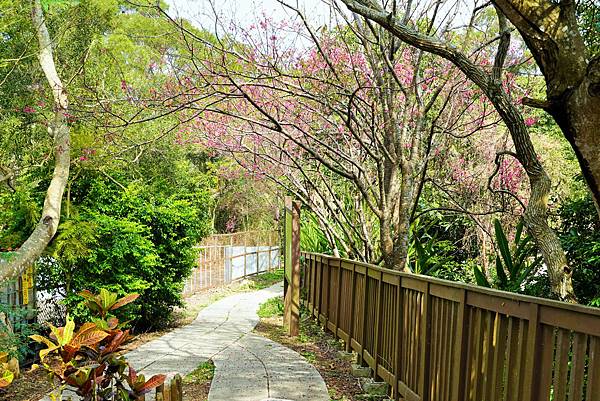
[248, 367]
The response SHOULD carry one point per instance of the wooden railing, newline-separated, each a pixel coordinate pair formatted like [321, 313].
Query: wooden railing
[436, 340]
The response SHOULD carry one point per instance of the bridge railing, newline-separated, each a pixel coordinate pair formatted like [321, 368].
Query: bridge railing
[437, 340]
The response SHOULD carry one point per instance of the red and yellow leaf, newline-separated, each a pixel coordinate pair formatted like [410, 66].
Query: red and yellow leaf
[154, 382]
[124, 301]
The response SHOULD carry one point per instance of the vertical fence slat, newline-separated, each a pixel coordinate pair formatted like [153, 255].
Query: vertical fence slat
[436, 347]
[425, 344]
[338, 298]
[475, 361]
[561, 370]
[515, 358]
[444, 350]
[593, 383]
[365, 307]
[488, 353]
[398, 336]
[578, 367]
[544, 382]
[532, 358]
[352, 302]
[500, 335]
[377, 338]
[408, 319]
[459, 359]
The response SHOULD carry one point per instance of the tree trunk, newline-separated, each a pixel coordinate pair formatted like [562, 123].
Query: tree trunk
[535, 214]
[550, 30]
[577, 113]
[46, 228]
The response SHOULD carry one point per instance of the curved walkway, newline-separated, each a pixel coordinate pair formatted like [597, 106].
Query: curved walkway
[248, 367]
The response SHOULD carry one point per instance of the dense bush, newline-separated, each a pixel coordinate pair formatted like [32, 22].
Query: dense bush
[132, 240]
[580, 235]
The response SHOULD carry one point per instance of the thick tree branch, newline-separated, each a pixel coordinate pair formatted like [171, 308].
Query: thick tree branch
[45, 229]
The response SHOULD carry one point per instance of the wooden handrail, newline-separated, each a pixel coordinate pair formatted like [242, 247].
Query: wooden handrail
[484, 290]
[438, 340]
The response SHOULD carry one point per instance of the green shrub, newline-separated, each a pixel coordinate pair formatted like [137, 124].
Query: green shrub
[14, 340]
[516, 263]
[580, 236]
[135, 240]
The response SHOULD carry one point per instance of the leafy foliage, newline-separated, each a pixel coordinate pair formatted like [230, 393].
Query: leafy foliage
[271, 307]
[14, 340]
[135, 240]
[87, 359]
[580, 236]
[434, 248]
[588, 15]
[6, 374]
[312, 238]
[514, 264]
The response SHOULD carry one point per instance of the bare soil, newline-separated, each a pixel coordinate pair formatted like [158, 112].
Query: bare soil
[30, 386]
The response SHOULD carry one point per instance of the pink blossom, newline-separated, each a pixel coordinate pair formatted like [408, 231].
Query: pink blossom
[530, 121]
[28, 109]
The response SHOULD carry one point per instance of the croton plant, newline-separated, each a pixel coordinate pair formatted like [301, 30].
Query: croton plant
[87, 359]
[6, 371]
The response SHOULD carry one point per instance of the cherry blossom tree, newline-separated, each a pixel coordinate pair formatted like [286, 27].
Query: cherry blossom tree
[551, 33]
[349, 123]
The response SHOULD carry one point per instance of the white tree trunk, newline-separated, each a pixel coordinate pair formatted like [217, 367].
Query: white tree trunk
[46, 228]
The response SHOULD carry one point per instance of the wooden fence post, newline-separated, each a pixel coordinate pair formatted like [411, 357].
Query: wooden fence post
[294, 329]
[160, 392]
[176, 389]
[292, 266]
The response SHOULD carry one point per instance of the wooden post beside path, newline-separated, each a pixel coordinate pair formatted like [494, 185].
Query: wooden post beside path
[292, 267]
